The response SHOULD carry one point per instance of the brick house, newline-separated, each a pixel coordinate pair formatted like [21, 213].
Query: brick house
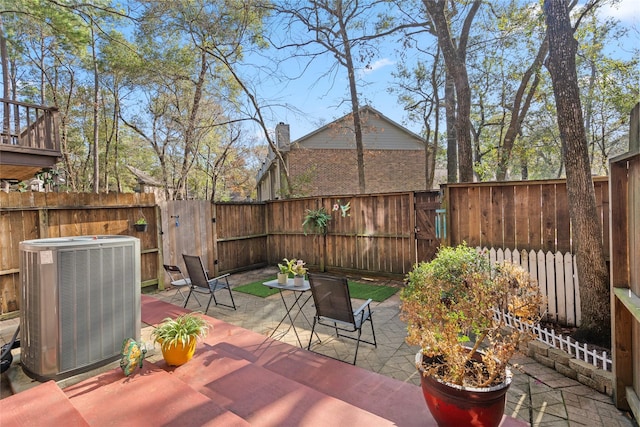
[323, 162]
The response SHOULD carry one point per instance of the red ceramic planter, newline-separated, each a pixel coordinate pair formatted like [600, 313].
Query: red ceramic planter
[454, 406]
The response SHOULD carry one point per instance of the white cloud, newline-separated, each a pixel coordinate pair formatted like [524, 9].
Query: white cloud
[627, 11]
[380, 63]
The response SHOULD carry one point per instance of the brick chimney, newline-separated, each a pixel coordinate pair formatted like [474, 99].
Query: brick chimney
[283, 138]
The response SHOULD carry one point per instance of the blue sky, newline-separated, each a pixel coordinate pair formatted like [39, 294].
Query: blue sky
[318, 100]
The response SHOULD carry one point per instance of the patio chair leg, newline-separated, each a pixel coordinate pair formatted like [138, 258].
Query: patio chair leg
[312, 330]
[373, 332]
[178, 292]
[186, 301]
[231, 295]
[357, 345]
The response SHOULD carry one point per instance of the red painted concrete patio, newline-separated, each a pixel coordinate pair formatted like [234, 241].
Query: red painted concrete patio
[237, 377]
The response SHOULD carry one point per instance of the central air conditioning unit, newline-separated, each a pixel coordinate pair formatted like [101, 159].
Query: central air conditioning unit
[80, 299]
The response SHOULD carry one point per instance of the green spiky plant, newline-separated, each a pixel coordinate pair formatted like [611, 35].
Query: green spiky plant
[316, 221]
[181, 330]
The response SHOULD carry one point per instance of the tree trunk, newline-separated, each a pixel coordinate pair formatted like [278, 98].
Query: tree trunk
[455, 55]
[587, 232]
[355, 105]
[519, 110]
[452, 149]
[96, 94]
[5, 81]
[190, 138]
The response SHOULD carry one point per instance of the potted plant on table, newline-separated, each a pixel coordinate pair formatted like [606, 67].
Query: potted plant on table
[451, 307]
[299, 270]
[284, 270]
[140, 224]
[178, 337]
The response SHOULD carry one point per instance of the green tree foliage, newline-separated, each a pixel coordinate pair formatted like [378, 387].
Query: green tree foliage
[512, 117]
[185, 75]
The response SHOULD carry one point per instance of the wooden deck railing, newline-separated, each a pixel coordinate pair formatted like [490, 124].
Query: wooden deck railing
[29, 126]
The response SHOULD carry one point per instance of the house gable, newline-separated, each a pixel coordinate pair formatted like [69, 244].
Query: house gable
[324, 161]
[378, 133]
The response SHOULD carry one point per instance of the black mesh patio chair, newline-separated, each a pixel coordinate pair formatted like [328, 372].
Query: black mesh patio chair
[333, 309]
[202, 284]
[178, 281]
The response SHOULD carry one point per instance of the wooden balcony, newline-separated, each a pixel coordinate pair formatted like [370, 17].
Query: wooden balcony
[29, 142]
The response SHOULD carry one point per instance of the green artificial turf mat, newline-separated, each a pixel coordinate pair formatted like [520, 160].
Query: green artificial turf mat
[357, 290]
[257, 288]
[377, 293]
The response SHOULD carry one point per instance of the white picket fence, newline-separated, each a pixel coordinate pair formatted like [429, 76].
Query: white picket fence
[557, 277]
[579, 351]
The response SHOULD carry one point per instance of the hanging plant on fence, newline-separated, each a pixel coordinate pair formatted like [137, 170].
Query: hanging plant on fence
[316, 221]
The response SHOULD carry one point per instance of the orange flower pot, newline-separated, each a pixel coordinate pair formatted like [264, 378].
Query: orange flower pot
[176, 355]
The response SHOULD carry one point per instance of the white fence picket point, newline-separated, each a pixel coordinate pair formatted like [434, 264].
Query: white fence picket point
[508, 255]
[515, 257]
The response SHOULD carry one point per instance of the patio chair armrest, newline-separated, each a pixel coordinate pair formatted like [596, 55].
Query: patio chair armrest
[213, 282]
[218, 277]
[362, 307]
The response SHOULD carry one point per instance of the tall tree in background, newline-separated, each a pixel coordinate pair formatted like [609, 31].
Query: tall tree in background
[454, 51]
[6, 91]
[592, 270]
[419, 88]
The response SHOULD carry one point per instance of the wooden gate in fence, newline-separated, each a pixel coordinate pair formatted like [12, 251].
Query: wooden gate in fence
[228, 236]
[430, 227]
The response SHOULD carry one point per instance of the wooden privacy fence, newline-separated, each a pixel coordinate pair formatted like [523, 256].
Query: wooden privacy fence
[532, 215]
[625, 277]
[375, 236]
[27, 216]
[557, 277]
[380, 234]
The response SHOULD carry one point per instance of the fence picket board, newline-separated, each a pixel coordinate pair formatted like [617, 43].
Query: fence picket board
[492, 256]
[524, 261]
[570, 289]
[576, 284]
[499, 255]
[533, 265]
[508, 255]
[515, 257]
[542, 278]
[561, 294]
[551, 287]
